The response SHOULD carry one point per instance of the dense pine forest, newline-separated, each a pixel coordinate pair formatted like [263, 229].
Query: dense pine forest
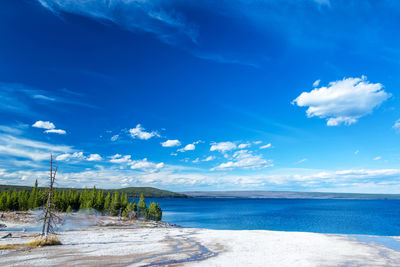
[68, 200]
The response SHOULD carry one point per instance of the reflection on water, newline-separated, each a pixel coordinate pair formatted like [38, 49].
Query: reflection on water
[337, 216]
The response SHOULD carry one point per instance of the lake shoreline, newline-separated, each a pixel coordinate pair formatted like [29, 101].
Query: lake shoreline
[139, 243]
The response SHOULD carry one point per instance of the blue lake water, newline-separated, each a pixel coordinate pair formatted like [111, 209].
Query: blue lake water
[366, 217]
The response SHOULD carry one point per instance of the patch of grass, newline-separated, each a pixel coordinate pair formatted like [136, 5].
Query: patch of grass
[38, 242]
[43, 241]
[11, 246]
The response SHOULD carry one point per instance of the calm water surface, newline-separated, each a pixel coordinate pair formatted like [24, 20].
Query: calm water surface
[368, 217]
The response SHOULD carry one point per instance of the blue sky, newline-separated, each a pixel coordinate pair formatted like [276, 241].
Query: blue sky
[210, 95]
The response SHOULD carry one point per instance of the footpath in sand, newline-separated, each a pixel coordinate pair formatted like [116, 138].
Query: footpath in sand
[105, 241]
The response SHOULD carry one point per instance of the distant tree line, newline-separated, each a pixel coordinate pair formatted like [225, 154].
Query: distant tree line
[114, 204]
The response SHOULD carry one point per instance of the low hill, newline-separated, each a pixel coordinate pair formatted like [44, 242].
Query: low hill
[134, 192]
[288, 195]
[148, 192]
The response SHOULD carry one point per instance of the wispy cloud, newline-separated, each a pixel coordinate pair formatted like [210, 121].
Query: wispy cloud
[219, 58]
[209, 158]
[316, 83]
[396, 126]
[167, 22]
[146, 16]
[323, 2]
[266, 146]
[26, 148]
[14, 129]
[20, 99]
[301, 161]
[244, 159]
[169, 176]
[114, 137]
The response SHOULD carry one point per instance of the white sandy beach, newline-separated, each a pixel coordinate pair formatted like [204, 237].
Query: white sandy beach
[148, 245]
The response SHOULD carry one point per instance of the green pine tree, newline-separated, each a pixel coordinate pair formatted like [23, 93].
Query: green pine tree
[107, 204]
[69, 209]
[155, 212]
[142, 209]
[116, 204]
[32, 201]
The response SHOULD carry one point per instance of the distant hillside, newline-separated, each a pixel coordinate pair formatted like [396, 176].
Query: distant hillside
[148, 192]
[288, 194]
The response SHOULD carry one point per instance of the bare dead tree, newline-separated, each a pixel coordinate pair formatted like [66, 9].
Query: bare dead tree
[49, 218]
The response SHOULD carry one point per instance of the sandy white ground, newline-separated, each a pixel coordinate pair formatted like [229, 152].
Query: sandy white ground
[271, 248]
[137, 246]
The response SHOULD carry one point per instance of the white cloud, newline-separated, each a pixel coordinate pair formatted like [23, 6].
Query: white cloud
[343, 101]
[378, 158]
[209, 158]
[187, 178]
[244, 145]
[117, 158]
[223, 146]
[142, 164]
[396, 126]
[246, 160]
[140, 133]
[94, 157]
[114, 137]
[356, 152]
[171, 143]
[44, 125]
[68, 156]
[257, 142]
[145, 165]
[190, 147]
[49, 126]
[57, 131]
[265, 146]
[316, 83]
